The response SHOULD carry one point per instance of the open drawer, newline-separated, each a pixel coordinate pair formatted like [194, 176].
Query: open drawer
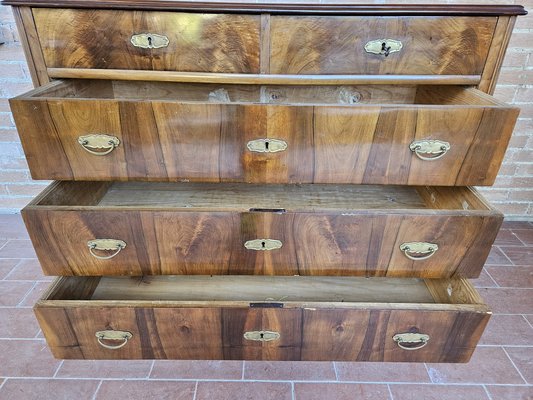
[262, 318]
[151, 228]
[384, 134]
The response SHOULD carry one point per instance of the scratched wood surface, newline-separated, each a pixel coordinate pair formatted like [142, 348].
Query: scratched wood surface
[201, 233]
[345, 134]
[361, 330]
[102, 39]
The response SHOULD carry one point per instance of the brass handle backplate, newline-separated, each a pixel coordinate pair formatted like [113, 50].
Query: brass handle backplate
[263, 244]
[105, 245]
[149, 41]
[92, 143]
[418, 250]
[121, 336]
[383, 47]
[429, 150]
[266, 145]
[411, 341]
[261, 336]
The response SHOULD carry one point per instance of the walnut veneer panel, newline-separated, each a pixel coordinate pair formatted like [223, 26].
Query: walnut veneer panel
[185, 234]
[314, 330]
[102, 39]
[201, 133]
[336, 45]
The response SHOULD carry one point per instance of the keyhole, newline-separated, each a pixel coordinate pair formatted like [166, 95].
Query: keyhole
[261, 335]
[266, 145]
[385, 49]
[263, 244]
[150, 41]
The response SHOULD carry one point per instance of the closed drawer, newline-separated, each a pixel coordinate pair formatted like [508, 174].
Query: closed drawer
[145, 40]
[103, 228]
[124, 130]
[376, 46]
[261, 318]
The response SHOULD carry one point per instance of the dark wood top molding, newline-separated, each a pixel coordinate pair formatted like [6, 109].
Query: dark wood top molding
[280, 8]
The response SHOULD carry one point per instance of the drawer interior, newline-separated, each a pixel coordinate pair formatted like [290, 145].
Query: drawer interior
[261, 94]
[248, 197]
[271, 289]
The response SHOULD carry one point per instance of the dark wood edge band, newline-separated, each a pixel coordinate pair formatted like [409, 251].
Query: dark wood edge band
[325, 9]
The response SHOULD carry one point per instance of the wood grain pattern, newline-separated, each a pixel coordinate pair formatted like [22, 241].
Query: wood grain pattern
[192, 237]
[335, 45]
[30, 44]
[181, 133]
[266, 79]
[101, 39]
[356, 331]
[502, 36]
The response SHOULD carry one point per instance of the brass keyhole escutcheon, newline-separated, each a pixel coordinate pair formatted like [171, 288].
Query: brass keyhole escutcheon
[263, 244]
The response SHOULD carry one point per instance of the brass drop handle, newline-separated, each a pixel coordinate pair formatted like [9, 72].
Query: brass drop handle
[263, 244]
[149, 41]
[418, 251]
[266, 145]
[123, 336]
[383, 47]
[261, 336]
[105, 245]
[90, 143]
[429, 150]
[411, 341]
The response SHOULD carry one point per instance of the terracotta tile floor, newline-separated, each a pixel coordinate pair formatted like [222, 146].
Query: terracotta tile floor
[501, 368]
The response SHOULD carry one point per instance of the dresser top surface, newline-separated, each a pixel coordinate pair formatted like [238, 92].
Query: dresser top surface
[311, 7]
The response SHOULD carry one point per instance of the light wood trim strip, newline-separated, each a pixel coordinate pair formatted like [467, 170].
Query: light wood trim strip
[498, 48]
[31, 45]
[264, 53]
[247, 79]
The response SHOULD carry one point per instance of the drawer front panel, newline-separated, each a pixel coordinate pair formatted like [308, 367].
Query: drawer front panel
[376, 46]
[220, 142]
[292, 333]
[144, 40]
[368, 243]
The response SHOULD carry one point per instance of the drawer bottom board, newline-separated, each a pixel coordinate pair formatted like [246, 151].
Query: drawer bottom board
[262, 318]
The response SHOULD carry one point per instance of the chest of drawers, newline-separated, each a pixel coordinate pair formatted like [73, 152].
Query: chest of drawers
[262, 181]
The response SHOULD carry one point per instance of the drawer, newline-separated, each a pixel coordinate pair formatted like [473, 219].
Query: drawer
[377, 46]
[141, 228]
[262, 318]
[146, 40]
[126, 130]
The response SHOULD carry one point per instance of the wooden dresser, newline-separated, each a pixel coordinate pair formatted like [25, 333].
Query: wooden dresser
[262, 181]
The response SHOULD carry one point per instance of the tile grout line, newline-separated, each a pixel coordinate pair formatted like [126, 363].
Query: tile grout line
[242, 374]
[293, 395]
[524, 243]
[195, 391]
[505, 255]
[429, 375]
[37, 334]
[12, 269]
[487, 391]
[390, 392]
[151, 369]
[97, 389]
[335, 370]
[527, 320]
[514, 365]
[4, 245]
[209, 380]
[26, 296]
[3, 383]
[58, 368]
[491, 278]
